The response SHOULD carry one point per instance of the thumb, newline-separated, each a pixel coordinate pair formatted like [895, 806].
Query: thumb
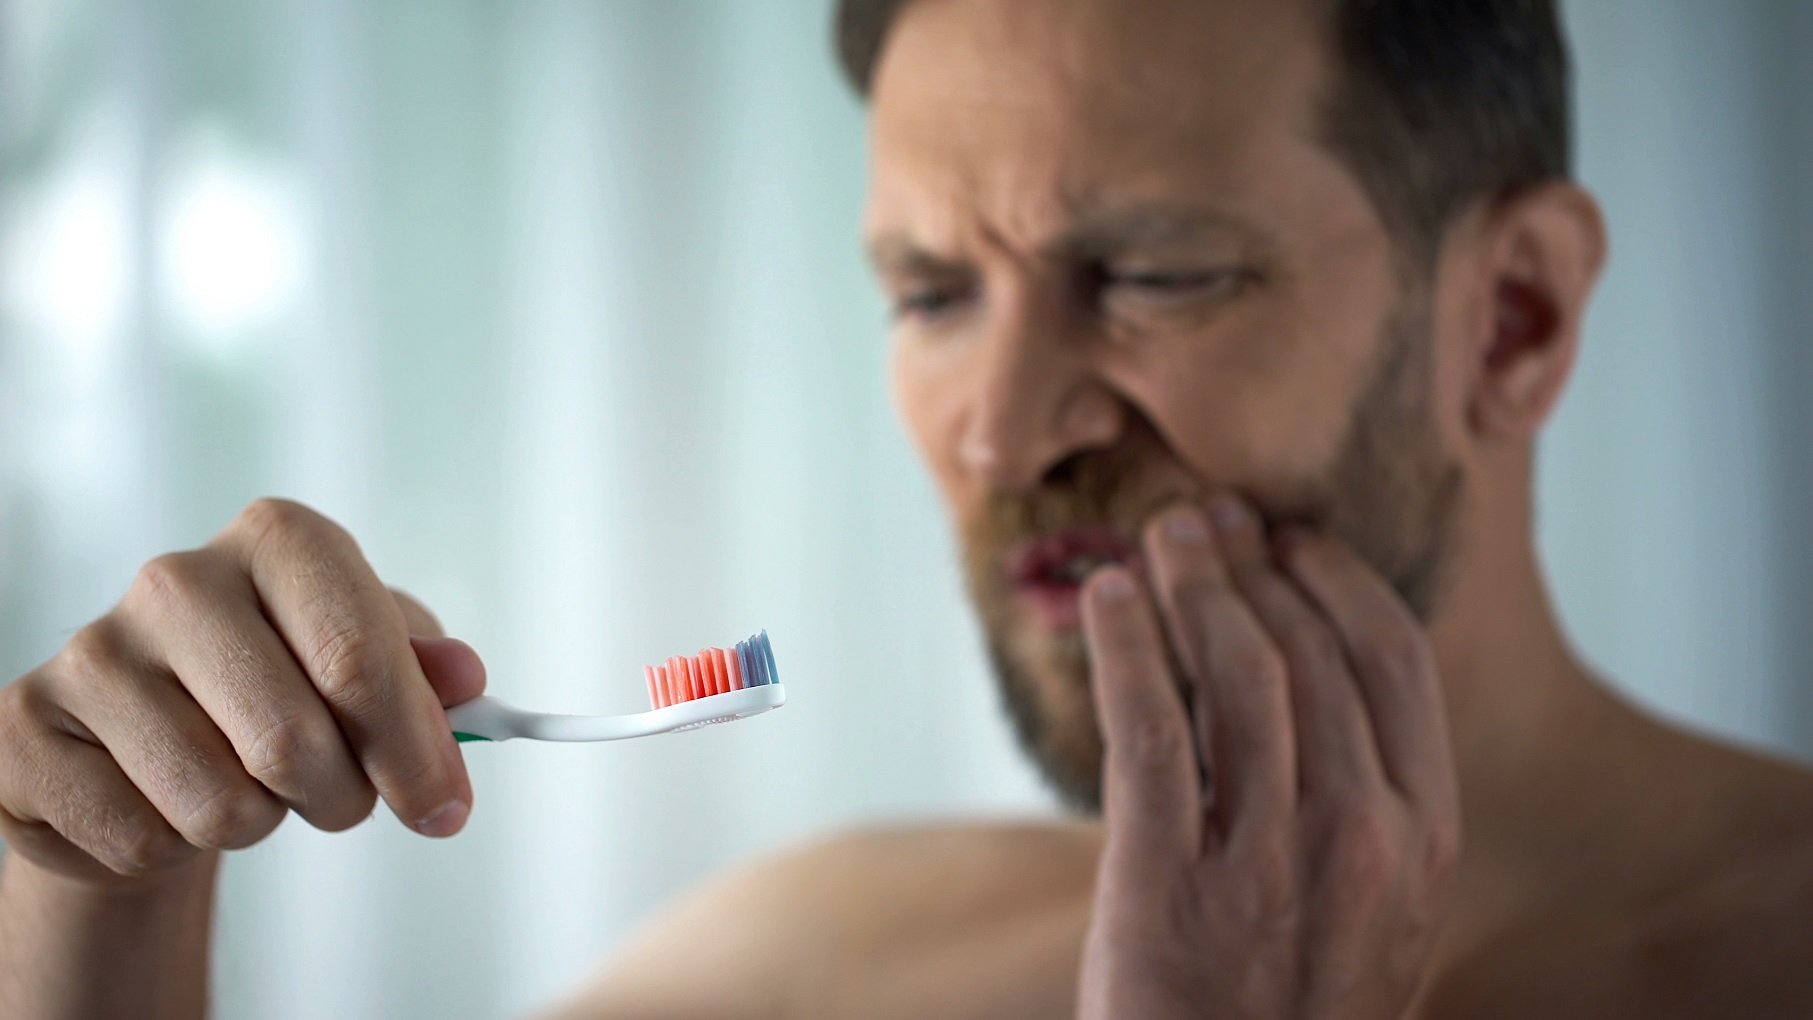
[453, 669]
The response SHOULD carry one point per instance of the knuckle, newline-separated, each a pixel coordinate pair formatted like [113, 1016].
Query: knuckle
[1149, 743]
[269, 515]
[1442, 849]
[269, 520]
[21, 712]
[231, 819]
[346, 664]
[171, 579]
[96, 649]
[1364, 850]
[143, 844]
[276, 755]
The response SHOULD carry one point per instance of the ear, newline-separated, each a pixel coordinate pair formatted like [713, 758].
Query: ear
[1542, 252]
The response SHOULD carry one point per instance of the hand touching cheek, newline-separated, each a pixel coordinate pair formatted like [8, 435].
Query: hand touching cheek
[1282, 818]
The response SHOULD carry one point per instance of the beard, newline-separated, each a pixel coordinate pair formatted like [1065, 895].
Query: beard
[1390, 492]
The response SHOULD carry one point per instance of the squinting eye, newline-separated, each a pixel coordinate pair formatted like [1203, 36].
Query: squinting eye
[925, 303]
[1171, 282]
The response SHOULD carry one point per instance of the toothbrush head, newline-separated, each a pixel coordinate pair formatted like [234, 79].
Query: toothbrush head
[750, 663]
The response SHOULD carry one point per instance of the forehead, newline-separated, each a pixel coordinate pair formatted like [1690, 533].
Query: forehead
[1034, 109]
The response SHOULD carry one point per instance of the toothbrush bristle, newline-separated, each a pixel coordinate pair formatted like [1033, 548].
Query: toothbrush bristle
[732, 669]
[749, 663]
[719, 677]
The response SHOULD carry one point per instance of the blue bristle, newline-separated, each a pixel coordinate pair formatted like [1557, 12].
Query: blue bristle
[774, 676]
[757, 662]
[761, 661]
[749, 677]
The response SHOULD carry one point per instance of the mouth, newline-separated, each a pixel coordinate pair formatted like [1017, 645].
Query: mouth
[1046, 574]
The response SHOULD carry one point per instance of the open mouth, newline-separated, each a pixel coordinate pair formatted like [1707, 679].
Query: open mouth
[1047, 572]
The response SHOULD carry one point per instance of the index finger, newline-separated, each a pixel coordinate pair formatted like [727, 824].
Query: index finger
[1152, 793]
[351, 638]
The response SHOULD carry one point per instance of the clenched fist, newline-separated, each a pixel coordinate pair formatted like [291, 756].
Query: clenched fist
[268, 671]
[1282, 823]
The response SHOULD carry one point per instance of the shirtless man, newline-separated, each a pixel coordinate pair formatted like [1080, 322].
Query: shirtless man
[1243, 313]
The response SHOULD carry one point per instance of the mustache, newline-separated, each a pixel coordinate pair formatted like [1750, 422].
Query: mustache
[1108, 488]
[1085, 490]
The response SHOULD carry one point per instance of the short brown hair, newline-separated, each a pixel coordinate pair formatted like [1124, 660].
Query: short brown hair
[1438, 103]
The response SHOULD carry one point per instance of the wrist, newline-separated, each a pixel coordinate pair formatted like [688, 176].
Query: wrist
[109, 894]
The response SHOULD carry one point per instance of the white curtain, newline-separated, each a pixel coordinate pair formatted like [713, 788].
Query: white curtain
[559, 307]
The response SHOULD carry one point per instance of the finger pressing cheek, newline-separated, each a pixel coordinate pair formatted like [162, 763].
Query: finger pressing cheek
[1150, 781]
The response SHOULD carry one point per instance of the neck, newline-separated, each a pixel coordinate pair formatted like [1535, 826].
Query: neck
[1540, 747]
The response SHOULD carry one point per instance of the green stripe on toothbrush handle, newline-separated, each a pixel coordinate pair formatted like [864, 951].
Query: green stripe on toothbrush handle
[467, 738]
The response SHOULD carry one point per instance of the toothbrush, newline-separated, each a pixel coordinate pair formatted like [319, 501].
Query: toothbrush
[717, 685]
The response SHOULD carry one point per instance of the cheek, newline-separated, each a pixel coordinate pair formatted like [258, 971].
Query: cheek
[927, 404]
[1261, 403]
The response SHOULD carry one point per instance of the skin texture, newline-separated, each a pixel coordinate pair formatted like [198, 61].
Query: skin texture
[1347, 764]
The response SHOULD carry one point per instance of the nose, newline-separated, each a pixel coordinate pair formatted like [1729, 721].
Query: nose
[1035, 399]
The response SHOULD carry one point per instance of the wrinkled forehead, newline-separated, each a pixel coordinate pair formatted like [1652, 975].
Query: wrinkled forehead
[1036, 109]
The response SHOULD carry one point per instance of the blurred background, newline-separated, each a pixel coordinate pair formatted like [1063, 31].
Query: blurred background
[559, 307]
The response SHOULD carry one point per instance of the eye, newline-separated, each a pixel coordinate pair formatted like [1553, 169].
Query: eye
[927, 302]
[1172, 282]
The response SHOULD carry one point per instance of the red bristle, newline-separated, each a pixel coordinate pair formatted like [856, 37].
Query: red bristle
[676, 671]
[717, 662]
[704, 670]
[654, 699]
[664, 682]
[711, 664]
[708, 677]
[694, 683]
[734, 668]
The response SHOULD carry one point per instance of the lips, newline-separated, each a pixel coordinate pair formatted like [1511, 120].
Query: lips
[1047, 572]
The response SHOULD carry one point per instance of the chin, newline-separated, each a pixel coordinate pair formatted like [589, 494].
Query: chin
[1043, 678]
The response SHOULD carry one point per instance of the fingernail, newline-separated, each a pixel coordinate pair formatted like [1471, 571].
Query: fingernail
[444, 820]
[1228, 511]
[1183, 524]
[1115, 586]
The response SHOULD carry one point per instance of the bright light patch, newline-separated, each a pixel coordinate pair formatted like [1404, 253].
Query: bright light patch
[230, 247]
[68, 261]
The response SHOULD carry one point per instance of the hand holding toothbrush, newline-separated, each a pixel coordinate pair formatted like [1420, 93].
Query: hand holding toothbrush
[272, 671]
[266, 672]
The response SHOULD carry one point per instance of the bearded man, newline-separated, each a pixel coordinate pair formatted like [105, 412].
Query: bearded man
[1226, 329]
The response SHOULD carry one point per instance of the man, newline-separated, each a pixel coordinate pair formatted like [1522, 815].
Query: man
[1226, 329]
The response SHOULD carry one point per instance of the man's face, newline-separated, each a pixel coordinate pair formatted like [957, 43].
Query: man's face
[1125, 271]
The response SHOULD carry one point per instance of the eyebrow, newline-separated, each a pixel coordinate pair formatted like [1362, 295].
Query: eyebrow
[1095, 232]
[1107, 229]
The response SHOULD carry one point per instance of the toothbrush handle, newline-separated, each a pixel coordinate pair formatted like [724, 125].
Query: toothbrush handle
[484, 718]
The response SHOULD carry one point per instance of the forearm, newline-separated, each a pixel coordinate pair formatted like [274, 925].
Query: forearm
[69, 950]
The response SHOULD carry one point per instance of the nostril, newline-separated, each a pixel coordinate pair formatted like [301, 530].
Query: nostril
[1064, 473]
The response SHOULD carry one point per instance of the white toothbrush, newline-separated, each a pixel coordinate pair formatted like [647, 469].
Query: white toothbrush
[717, 685]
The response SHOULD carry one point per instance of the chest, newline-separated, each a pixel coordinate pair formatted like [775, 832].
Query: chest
[1021, 966]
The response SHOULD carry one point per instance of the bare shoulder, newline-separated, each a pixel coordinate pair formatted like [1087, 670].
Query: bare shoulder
[1729, 936]
[782, 926]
